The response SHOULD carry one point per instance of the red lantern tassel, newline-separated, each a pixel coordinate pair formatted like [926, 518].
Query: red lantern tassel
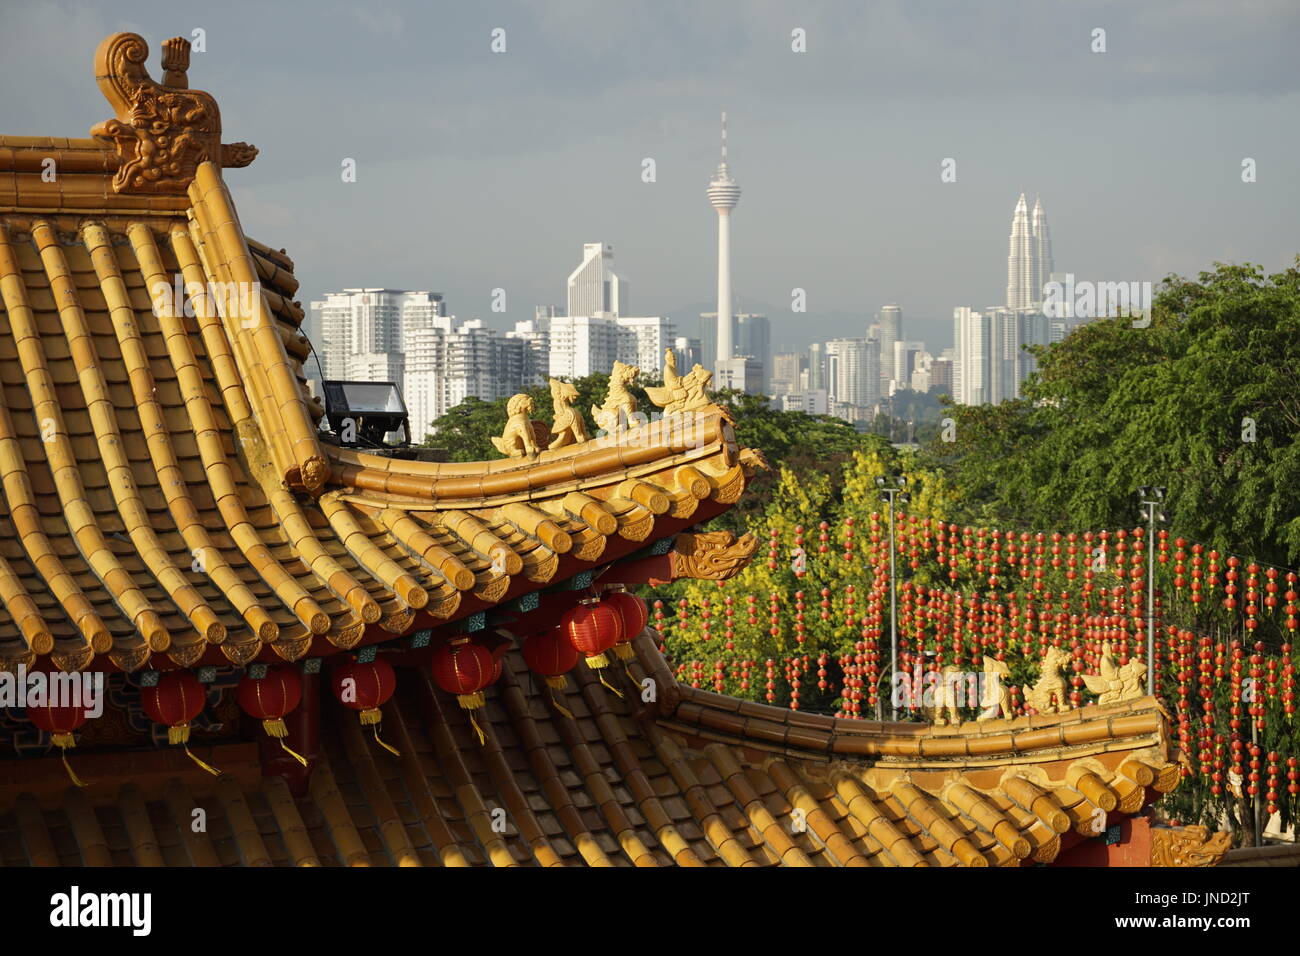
[180, 734]
[373, 716]
[275, 727]
[558, 684]
[63, 742]
[626, 655]
[471, 703]
[598, 663]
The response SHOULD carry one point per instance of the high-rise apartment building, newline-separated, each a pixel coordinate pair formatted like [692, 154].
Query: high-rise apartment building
[535, 334]
[815, 374]
[584, 345]
[357, 322]
[444, 365]
[642, 341]
[853, 372]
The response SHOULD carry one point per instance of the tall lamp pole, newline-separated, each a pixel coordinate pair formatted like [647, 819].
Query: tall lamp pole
[890, 488]
[1153, 500]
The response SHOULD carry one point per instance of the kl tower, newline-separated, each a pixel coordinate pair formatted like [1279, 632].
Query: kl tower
[723, 195]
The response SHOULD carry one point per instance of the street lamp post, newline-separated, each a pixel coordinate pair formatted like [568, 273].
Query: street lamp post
[894, 487]
[1153, 499]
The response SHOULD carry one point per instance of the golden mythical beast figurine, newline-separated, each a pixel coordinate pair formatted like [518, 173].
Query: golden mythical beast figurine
[568, 428]
[522, 436]
[681, 393]
[616, 414]
[1116, 683]
[1050, 685]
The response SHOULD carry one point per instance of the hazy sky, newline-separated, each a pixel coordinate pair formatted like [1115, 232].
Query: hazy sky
[479, 170]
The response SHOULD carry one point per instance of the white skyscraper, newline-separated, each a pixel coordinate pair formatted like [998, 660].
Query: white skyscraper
[971, 333]
[1043, 261]
[853, 372]
[1029, 258]
[723, 195]
[889, 322]
[583, 345]
[1020, 259]
[594, 288]
[990, 360]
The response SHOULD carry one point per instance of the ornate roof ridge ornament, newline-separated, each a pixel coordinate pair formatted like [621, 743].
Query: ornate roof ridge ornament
[711, 555]
[162, 132]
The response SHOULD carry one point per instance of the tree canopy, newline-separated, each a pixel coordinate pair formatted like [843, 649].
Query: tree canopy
[1203, 401]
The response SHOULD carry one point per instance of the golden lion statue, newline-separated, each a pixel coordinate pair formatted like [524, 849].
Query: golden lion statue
[521, 436]
[616, 414]
[1047, 696]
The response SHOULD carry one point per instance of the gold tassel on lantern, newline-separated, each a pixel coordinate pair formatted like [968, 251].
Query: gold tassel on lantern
[275, 727]
[180, 734]
[598, 663]
[555, 684]
[63, 742]
[372, 717]
[471, 703]
[626, 655]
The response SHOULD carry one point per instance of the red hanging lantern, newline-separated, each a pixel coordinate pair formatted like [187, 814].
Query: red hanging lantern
[174, 701]
[270, 698]
[61, 723]
[632, 614]
[593, 628]
[464, 668]
[365, 688]
[550, 655]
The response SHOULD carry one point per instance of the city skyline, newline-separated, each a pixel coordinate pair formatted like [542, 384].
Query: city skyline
[844, 197]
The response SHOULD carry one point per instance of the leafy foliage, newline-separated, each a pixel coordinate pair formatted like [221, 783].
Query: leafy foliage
[1204, 401]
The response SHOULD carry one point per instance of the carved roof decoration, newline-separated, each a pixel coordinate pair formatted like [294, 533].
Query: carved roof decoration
[161, 133]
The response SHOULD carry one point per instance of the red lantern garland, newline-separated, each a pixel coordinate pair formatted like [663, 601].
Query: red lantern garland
[174, 701]
[270, 698]
[365, 688]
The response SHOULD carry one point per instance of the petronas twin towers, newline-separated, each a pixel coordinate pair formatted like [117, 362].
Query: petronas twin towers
[1029, 262]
